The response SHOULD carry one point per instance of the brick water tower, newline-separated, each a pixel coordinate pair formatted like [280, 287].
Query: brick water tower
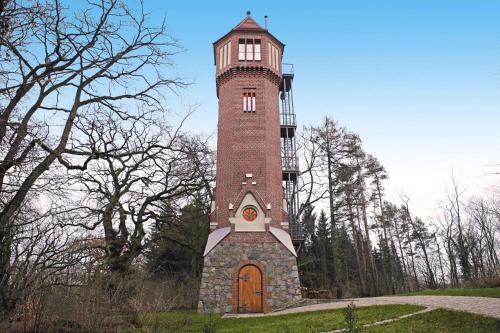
[250, 261]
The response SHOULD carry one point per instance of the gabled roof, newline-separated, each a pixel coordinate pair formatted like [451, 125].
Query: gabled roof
[249, 23]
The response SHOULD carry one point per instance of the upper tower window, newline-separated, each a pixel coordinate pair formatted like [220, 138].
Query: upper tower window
[225, 55]
[274, 56]
[249, 49]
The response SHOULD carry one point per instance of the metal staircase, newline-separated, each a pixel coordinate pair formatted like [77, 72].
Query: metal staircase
[290, 162]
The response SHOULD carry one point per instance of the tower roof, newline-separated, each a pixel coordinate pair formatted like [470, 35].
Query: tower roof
[248, 23]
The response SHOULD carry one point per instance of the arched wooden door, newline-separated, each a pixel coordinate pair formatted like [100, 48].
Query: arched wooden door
[250, 290]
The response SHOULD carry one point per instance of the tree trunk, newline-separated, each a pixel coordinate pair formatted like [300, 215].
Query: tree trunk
[443, 282]
[5, 253]
[332, 213]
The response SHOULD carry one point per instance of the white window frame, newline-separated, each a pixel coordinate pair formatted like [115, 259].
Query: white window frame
[241, 50]
[249, 51]
[257, 50]
[273, 56]
[225, 55]
[221, 53]
[276, 54]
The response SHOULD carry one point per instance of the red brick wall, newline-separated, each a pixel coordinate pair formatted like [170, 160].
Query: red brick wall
[248, 142]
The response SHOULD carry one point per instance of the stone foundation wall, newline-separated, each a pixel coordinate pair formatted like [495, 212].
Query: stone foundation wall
[219, 284]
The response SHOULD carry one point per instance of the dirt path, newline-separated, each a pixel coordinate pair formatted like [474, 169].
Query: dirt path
[479, 305]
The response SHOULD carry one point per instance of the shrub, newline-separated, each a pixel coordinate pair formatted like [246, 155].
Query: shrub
[350, 318]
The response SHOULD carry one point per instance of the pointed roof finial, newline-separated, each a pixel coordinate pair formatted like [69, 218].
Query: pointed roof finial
[248, 13]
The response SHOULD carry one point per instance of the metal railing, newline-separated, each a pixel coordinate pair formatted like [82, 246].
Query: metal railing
[289, 159]
[288, 119]
[290, 163]
[286, 68]
[296, 231]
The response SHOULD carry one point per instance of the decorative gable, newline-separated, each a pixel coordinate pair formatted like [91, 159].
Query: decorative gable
[249, 216]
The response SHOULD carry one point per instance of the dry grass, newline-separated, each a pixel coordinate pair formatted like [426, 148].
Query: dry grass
[102, 304]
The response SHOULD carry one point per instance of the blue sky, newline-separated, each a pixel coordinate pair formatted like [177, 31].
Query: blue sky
[419, 81]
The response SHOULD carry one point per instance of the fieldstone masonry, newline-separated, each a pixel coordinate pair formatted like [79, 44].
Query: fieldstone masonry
[279, 270]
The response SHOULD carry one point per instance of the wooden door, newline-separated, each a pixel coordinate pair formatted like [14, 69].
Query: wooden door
[250, 290]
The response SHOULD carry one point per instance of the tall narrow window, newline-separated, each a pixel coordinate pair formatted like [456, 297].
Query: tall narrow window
[257, 49]
[273, 59]
[221, 51]
[249, 49]
[276, 61]
[269, 49]
[273, 52]
[241, 49]
[225, 55]
[249, 102]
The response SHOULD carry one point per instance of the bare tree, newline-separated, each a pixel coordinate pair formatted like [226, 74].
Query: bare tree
[57, 67]
[147, 163]
[311, 178]
[485, 222]
[454, 206]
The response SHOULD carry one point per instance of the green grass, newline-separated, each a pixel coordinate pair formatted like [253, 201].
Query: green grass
[440, 321]
[306, 322]
[482, 292]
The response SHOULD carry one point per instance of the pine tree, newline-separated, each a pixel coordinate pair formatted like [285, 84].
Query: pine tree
[307, 256]
[178, 239]
[324, 250]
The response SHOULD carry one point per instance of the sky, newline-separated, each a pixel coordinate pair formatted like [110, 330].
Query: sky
[419, 81]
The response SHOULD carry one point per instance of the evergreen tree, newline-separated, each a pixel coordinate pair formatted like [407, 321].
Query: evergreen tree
[324, 247]
[307, 256]
[178, 239]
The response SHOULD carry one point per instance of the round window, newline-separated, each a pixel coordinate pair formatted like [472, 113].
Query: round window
[249, 214]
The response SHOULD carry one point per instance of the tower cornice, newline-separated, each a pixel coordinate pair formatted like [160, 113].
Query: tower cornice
[247, 71]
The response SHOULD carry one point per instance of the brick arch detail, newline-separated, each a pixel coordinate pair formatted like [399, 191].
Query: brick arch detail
[265, 283]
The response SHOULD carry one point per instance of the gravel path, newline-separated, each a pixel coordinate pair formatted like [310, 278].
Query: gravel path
[479, 305]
